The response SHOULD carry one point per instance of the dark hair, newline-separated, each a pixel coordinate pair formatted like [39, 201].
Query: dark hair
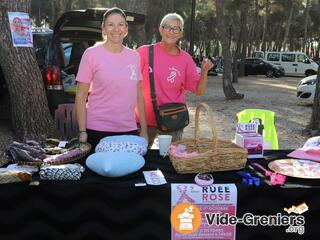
[114, 10]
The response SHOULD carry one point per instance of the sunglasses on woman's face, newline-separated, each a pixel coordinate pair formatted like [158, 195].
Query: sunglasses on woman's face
[174, 29]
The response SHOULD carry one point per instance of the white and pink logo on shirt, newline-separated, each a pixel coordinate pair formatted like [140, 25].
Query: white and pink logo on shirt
[173, 74]
[133, 72]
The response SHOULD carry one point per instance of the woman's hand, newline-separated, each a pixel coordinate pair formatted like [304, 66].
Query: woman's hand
[83, 136]
[206, 65]
[144, 134]
[80, 101]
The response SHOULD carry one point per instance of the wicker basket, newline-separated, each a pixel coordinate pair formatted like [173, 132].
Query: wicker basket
[214, 154]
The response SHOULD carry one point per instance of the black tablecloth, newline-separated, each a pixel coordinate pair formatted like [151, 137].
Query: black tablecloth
[112, 208]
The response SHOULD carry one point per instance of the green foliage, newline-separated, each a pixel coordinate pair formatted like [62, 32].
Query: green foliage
[205, 31]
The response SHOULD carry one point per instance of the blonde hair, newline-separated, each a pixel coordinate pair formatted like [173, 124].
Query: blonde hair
[172, 16]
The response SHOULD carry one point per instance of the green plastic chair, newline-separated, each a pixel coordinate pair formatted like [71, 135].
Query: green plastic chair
[269, 131]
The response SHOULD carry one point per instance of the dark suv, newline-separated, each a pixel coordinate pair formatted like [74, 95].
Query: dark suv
[59, 53]
[256, 66]
[73, 33]
[41, 38]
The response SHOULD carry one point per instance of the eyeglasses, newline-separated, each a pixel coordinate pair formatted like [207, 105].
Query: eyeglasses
[168, 28]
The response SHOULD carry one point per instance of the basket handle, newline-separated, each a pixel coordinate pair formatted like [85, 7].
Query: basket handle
[210, 120]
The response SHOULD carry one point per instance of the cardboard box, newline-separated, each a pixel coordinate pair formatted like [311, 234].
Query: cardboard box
[253, 142]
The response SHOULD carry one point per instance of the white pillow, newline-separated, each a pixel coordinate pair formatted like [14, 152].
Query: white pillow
[123, 143]
[114, 164]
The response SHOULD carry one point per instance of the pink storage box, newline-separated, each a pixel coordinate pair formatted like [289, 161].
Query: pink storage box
[253, 142]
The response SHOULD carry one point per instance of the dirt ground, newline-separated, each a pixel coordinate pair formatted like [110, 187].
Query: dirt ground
[276, 94]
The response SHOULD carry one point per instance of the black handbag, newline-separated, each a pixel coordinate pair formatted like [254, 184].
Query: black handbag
[170, 116]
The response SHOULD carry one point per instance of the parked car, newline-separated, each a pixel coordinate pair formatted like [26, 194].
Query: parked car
[294, 63]
[306, 89]
[59, 53]
[73, 33]
[41, 38]
[257, 66]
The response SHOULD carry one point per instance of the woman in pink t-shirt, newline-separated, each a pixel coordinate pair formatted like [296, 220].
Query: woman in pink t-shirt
[174, 72]
[110, 72]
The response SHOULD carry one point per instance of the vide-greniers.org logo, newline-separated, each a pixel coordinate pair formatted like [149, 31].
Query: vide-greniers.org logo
[295, 223]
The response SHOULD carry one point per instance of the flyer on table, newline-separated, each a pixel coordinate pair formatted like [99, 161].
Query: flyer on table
[214, 199]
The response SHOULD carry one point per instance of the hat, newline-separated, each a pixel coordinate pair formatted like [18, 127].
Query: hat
[309, 151]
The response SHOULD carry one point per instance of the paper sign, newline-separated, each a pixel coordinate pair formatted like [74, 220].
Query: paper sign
[213, 199]
[247, 127]
[20, 27]
[154, 177]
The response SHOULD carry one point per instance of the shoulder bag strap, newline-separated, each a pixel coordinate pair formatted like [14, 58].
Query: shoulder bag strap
[152, 86]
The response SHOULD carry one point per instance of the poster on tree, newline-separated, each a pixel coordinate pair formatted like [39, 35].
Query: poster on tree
[20, 27]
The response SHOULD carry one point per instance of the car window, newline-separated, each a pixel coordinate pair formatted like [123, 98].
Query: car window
[288, 57]
[257, 61]
[41, 37]
[40, 45]
[40, 41]
[77, 51]
[67, 48]
[273, 56]
[258, 54]
[302, 58]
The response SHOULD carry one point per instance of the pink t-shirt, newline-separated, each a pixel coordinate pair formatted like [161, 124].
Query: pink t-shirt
[173, 75]
[113, 90]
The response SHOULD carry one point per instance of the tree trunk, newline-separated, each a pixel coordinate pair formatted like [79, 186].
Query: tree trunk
[208, 49]
[318, 49]
[38, 17]
[68, 5]
[30, 113]
[256, 26]
[306, 23]
[62, 6]
[228, 89]
[153, 17]
[239, 38]
[314, 125]
[265, 24]
[139, 6]
[286, 34]
[241, 43]
[244, 39]
[253, 31]
[53, 16]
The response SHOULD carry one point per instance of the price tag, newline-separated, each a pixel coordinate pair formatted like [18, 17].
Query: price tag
[62, 144]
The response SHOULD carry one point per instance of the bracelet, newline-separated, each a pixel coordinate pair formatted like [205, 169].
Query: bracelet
[82, 131]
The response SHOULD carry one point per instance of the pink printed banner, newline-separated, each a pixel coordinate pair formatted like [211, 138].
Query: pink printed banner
[217, 199]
